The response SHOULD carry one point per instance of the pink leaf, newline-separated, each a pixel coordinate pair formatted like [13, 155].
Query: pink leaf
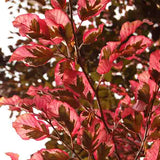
[20, 54]
[13, 156]
[91, 35]
[41, 102]
[56, 154]
[27, 126]
[127, 111]
[92, 136]
[134, 87]
[112, 45]
[33, 91]
[29, 24]
[130, 27]
[59, 70]
[13, 101]
[65, 74]
[139, 106]
[90, 8]
[33, 55]
[16, 103]
[58, 4]
[87, 86]
[145, 77]
[152, 153]
[70, 77]
[135, 45]
[59, 24]
[104, 66]
[56, 17]
[107, 57]
[58, 110]
[125, 101]
[154, 61]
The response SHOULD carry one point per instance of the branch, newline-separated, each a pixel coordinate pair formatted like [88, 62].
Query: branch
[88, 79]
[85, 73]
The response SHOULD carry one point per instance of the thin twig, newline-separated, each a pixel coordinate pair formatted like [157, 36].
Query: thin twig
[147, 125]
[60, 52]
[65, 144]
[80, 46]
[86, 75]
[99, 82]
[88, 79]
[61, 139]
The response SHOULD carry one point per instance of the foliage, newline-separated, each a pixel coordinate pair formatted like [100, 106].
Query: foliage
[93, 90]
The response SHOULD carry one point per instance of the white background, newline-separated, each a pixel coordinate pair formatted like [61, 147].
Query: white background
[9, 140]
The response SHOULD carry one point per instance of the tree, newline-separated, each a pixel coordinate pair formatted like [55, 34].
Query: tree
[100, 93]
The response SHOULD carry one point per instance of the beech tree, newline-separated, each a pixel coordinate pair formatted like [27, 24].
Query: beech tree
[98, 96]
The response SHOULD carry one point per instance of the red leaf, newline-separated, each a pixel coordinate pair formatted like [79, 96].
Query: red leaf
[56, 154]
[59, 24]
[70, 77]
[92, 136]
[143, 91]
[33, 55]
[20, 54]
[145, 77]
[90, 8]
[13, 156]
[152, 153]
[87, 86]
[130, 27]
[125, 101]
[16, 103]
[32, 91]
[154, 61]
[91, 35]
[135, 45]
[59, 70]
[41, 102]
[107, 57]
[134, 87]
[29, 24]
[13, 101]
[127, 111]
[112, 45]
[27, 126]
[53, 110]
[139, 106]
[58, 4]
[104, 66]
[56, 17]
[65, 74]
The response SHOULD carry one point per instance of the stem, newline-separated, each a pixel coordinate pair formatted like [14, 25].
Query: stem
[88, 79]
[147, 125]
[60, 52]
[65, 144]
[81, 46]
[99, 82]
[85, 73]
[116, 149]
